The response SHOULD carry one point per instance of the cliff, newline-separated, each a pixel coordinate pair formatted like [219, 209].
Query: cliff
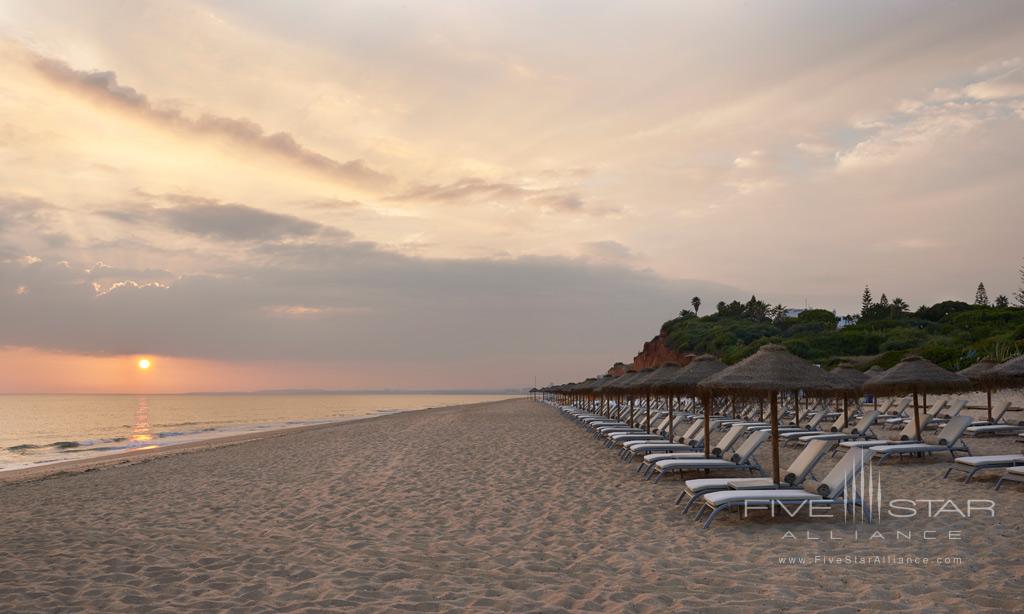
[654, 354]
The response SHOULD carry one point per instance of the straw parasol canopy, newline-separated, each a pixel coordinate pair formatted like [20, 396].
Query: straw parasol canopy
[771, 370]
[915, 375]
[662, 378]
[700, 368]
[874, 370]
[978, 373]
[1009, 374]
[849, 375]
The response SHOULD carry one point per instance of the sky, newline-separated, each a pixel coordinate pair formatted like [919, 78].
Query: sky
[368, 194]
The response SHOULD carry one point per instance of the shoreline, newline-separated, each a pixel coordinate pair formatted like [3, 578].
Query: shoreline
[54, 469]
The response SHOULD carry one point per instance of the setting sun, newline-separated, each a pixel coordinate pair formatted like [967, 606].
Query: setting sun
[144, 363]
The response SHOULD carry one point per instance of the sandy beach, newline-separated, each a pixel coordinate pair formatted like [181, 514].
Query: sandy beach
[502, 506]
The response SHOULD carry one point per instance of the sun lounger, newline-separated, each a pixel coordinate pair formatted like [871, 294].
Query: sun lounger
[1013, 474]
[794, 475]
[692, 439]
[950, 440]
[973, 464]
[862, 430]
[833, 490]
[743, 459]
[835, 427]
[907, 435]
[932, 413]
[998, 417]
[725, 444]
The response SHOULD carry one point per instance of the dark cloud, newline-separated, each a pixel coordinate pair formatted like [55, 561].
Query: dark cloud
[475, 189]
[233, 222]
[224, 221]
[348, 301]
[104, 87]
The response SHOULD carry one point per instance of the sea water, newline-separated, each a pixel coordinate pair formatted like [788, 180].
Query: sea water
[38, 429]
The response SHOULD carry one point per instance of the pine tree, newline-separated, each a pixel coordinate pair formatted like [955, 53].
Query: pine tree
[1001, 301]
[981, 295]
[865, 301]
[1018, 296]
[884, 301]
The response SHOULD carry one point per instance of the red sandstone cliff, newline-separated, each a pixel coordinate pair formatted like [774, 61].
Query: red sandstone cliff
[654, 354]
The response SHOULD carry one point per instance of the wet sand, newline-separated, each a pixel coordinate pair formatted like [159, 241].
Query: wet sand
[500, 506]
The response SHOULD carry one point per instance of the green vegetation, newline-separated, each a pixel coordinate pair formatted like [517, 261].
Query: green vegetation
[954, 334]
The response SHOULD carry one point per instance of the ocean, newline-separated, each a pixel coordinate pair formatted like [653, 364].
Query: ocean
[37, 429]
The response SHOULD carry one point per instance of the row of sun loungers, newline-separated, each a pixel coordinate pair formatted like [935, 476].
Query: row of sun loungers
[735, 452]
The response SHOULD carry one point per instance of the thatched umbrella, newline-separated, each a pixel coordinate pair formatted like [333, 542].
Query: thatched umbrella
[598, 390]
[622, 386]
[614, 387]
[660, 381]
[980, 375]
[853, 379]
[1010, 374]
[639, 384]
[773, 369]
[686, 380]
[916, 375]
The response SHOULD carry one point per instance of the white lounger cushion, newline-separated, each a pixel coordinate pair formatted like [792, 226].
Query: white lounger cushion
[656, 445]
[1015, 470]
[997, 459]
[694, 463]
[909, 447]
[735, 496]
[656, 458]
[995, 428]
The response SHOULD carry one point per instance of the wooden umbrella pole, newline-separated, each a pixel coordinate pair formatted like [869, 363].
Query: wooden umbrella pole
[846, 413]
[917, 418]
[647, 427]
[632, 412]
[707, 424]
[670, 418]
[775, 437]
[988, 395]
[760, 410]
[796, 418]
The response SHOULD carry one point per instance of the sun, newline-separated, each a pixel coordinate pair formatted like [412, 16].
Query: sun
[144, 363]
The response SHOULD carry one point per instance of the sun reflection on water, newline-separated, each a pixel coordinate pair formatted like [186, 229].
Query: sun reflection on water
[140, 428]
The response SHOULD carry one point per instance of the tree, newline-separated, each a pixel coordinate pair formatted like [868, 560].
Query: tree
[884, 301]
[695, 301]
[1018, 296]
[865, 300]
[1001, 301]
[981, 295]
[899, 306]
[777, 313]
[756, 310]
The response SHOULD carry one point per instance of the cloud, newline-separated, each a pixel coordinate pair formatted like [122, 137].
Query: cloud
[225, 221]
[914, 135]
[1007, 85]
[103, 86]
[348, 301]
[477, 190]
